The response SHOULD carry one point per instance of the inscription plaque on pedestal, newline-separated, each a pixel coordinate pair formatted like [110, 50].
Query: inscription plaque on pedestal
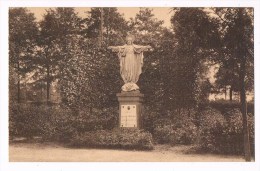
[130, 109]
[128, 116]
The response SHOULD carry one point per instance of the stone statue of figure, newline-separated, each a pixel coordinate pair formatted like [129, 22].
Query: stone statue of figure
[131, 62]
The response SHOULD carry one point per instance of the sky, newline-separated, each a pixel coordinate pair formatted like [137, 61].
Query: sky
[161, 13]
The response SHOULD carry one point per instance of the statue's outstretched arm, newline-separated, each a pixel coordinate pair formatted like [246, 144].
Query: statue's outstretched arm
[142, 48]
[115, 48]
[148, 47]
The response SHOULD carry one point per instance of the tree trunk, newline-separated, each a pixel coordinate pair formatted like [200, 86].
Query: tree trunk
[231, 93]
[18, 90]
[48, 84]
[25, 86]
[108, 27]
[244, 110]
[90, 110]
[101, 27]
[42, 98]
[18, 83]
[225, 92]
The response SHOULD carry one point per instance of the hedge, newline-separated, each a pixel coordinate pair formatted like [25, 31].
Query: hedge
[221, 134]
[55, 122]
[120, 138]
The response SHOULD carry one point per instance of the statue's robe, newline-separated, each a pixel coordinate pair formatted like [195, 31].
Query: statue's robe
[131, 62]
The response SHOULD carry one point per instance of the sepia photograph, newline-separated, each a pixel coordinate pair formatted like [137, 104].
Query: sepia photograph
[112, 88]
[131, 84]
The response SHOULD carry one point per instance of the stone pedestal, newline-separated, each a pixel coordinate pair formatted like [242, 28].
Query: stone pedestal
[130, 109]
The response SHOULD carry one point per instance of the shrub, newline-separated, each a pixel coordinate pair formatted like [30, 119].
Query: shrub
[211, 130]
[186, 134]
[96, 119]
[220, 135]
[180, 130]
[234, 132]
[171, 134]
[163, 134]
[123, 138]
[28, 120]
[24, 119]
[58, 126]
[62, 123]
[56, 123]
[150, 116]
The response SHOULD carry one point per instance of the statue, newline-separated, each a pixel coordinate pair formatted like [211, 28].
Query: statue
[131, 62]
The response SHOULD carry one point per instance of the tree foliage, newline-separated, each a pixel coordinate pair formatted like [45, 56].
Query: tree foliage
[232, 35]
[68, 49]
[197, 39]
[60, 28]
[238, 44]
[23, 34]
[91, 78]
[114, 25]
[148, 30]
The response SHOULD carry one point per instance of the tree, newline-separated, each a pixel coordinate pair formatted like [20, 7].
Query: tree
[91, 78]
[23, 33]
[228, 73]
[227, 76]
[59, 29]
[148, 30]
[114, 26]
[106, 79]
[237, 31]
[197, 40]
[237, 28]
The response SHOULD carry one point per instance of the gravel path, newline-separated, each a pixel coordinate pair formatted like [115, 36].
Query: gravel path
[36, 152]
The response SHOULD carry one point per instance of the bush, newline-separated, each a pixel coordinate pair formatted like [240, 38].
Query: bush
[170, 134]
[96, 120]
[163, 134]
[24, 119]
[56, 123]
[122, 138]
[58, 126]
[180, 130]
[211, 130]
[234, 143]
[62, 123]
[28, 120]
[220, 135]
[186, 134]
[150, 116]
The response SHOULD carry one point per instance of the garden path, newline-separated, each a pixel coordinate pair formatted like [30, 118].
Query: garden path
[38, 152]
